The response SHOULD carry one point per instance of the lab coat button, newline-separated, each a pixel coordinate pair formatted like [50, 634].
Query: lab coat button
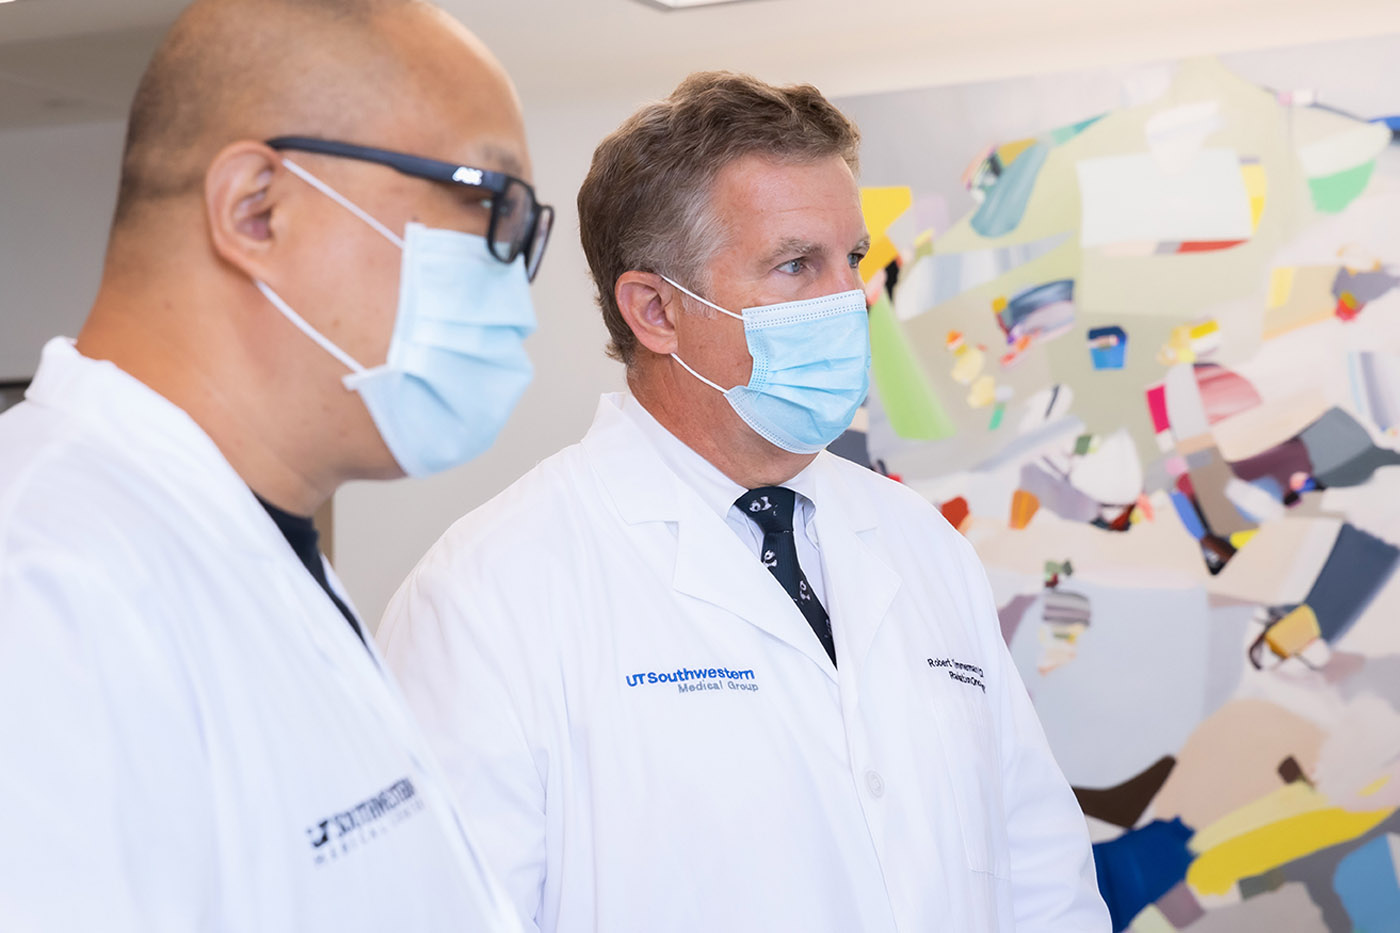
[875, 783]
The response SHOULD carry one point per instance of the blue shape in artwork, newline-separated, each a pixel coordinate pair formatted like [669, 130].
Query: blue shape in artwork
[1269, 485]
[1366, 883]
[1392, 123]
[1108, 346]
[1005, 202]
[1189, 516]
[1359, 565]
[1140, 866]
[1027, 301]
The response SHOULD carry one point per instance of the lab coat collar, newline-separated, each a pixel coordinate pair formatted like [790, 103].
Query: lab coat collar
[713, 565]
[163, 440]
[159, 435]
[860, 584]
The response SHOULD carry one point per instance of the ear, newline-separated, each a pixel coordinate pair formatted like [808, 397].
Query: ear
[239, 202]
[649, 306]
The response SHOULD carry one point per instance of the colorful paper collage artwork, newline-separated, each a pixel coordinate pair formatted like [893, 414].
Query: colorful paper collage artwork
[1146, 357]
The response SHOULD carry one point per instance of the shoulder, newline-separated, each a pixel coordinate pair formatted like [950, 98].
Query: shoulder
[65, 492]
[538, 522]
[897, 508]
[531, 507]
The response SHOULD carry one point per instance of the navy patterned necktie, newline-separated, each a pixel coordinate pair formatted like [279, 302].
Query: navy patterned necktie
[771, 509]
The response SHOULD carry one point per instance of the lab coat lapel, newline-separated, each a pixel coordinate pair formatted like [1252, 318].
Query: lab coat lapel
[712, 564]
[860, 584]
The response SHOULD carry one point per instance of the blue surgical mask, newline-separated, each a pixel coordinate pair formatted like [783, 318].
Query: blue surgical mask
[456, 365]
[811, 368]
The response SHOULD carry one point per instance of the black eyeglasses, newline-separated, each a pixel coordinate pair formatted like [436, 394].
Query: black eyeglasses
[519, 224]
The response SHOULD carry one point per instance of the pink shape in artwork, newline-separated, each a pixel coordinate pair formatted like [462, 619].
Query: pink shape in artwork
[1224, 393]
[1157, 405]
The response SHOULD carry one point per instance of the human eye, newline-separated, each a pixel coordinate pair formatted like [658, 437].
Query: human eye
[854, 259]
[794, 266]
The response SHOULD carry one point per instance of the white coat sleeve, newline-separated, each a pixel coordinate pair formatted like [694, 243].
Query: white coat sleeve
[106, 822]
[1053, 883]
[451, 645]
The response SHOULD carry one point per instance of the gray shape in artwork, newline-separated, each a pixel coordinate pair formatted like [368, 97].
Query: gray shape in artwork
[1341, 451]
[1364, 286]
[1377, 676]
[1012, 613]
[1058, 495]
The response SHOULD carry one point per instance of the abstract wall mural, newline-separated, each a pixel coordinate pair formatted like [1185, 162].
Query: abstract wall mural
[1137, 334]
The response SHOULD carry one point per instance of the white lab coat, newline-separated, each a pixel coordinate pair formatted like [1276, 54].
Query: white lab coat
[191, 736]
[646, 734]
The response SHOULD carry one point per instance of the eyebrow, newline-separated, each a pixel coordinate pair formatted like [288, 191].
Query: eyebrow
[792, 246]
[502, 159]
[796, 246]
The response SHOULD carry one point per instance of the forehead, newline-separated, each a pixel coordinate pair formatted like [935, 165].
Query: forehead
[757, 198]
[462, 107]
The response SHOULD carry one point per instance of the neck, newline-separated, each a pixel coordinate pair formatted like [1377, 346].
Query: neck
[183, 351]
[710, 427]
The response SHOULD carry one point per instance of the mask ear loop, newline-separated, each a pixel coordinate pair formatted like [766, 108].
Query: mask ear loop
[342, 200]
[684, 364]
[300, 322]
[302, 325]
[699, 299]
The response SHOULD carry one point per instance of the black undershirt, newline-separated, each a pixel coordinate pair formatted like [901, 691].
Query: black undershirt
[301, 534]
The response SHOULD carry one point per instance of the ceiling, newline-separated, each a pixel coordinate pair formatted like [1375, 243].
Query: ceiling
[65, 61]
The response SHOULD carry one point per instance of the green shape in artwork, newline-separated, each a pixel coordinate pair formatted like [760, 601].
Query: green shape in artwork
[1064, 134]
[1332, 193]
[905, 392]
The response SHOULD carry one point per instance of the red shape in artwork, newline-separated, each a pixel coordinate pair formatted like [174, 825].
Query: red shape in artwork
[1207, 246]
[1348, 307]
[955, 511]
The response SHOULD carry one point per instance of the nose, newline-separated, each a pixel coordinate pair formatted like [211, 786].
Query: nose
[847, 279]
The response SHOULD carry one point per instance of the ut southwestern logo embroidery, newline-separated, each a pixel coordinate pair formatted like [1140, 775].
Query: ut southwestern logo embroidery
[341, 833]
[696, 680]
[969, 674]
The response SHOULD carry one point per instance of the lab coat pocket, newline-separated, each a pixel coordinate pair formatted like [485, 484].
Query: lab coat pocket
[974, 773]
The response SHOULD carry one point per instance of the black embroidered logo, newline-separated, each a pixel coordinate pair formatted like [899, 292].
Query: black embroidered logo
[341, 833]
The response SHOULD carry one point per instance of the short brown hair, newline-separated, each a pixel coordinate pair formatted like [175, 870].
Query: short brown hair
[645, 203]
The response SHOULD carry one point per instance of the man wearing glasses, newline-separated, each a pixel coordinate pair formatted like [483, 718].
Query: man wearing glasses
[318, 271]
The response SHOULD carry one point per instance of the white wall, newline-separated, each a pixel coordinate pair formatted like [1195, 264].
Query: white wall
[57, 188]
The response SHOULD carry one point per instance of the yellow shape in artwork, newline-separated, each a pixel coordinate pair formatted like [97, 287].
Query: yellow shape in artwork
[1007, 152]
[1375, 786]
[1293, 632]
[983, 392]
[967, 364]
[1201, 331]
[881, 207]
[1284, 803]
[1309, 301]
[1256, 185]
[1256, 851]
[1280, 285]
[1240, 538]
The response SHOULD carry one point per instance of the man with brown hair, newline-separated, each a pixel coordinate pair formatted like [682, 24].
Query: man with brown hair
[318, 272]
[695, 673]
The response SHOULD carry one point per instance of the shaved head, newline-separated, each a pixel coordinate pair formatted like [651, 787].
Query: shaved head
[251, 69]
